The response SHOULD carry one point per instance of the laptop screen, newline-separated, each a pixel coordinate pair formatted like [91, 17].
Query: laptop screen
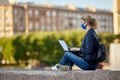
[64, 45]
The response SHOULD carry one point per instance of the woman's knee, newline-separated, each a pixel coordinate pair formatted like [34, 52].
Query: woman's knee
[67, 53]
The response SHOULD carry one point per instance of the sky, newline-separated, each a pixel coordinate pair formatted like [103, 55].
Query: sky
[99, 4]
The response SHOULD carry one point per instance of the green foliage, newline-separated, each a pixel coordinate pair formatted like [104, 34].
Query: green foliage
[44, 46]
[20, 48]
[107, 38]
[7, 49]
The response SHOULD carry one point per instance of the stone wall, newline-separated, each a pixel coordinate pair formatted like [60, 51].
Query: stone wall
[115, 56]
[59, 75]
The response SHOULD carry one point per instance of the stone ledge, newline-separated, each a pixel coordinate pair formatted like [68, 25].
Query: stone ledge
[59, 75]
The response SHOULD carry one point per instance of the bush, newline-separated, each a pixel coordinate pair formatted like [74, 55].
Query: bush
[44, 46]
[107, 38]
[7, 50]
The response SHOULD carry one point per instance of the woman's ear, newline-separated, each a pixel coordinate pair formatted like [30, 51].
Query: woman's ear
[85, 23]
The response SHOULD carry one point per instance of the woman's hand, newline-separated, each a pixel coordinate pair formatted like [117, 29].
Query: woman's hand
[74, 49]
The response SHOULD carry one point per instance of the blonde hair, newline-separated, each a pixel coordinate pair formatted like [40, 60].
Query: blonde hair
[90, 21]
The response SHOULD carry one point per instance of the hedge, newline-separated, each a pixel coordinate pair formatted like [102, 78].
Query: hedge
[44, 46]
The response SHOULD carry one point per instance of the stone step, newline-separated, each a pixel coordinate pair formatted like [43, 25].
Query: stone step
[59, 75]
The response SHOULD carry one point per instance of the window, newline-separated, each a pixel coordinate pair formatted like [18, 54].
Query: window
[42, 23]
[53, 13]
[48, 20]
[30, 12]
[69, 15]
[42, 20]
[65, 22]
[65, 14]
[54, 27]
[42, 27]
[61, 14]
[48, 13]
[22, 19]
[37, 13]
[78, 22]
[54, 20]
[73, 15]
[78, 16]
[48, 28]
[22, 28]
[37, 26]
[21, 12]
[30, 26]
[15, 11]
[61, 20]
[15, 19]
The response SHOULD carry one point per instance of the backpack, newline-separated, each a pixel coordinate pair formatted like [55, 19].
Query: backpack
[101, 51]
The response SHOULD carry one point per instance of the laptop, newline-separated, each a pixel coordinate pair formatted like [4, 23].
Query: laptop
[65, 48]
[64, 45]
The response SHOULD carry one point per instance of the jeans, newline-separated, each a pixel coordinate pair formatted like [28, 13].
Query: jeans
[70, 59]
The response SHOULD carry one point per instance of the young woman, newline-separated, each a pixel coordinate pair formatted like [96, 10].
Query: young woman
[88, 60]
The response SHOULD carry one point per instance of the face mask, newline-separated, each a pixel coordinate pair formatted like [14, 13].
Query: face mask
[83, 26]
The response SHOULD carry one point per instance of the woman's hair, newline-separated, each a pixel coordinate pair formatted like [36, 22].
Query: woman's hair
[90, 21]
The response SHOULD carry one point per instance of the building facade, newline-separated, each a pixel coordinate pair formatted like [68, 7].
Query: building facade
[8, 1]
[20, 18]
[117, 16]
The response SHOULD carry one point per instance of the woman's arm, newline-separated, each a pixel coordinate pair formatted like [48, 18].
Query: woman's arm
[74, 49]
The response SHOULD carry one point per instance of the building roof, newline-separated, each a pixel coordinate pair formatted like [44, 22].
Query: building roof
[67, 7]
